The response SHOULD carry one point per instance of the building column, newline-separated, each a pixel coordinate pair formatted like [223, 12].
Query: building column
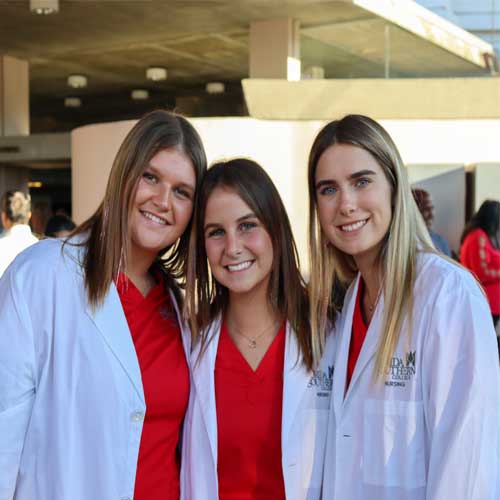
[275, 49]
[14, 97]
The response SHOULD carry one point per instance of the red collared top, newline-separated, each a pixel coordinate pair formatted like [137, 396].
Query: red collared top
[165, 379]
[359, 329]
[483, 259]
[249, 409]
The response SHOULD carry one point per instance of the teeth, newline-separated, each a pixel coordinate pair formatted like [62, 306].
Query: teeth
[240, 267]
[154, 218]
[353, 227]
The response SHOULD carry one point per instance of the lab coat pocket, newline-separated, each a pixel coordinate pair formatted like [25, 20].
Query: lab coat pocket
[393, 444]
[314, 426]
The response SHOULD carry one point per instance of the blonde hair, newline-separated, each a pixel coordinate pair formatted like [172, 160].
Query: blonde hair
[332, 271]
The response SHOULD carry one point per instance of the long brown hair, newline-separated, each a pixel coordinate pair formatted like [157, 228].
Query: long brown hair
[205, 297]
[333, 270]
[106, 232]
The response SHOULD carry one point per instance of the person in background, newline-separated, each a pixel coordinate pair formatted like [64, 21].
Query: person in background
[59, 226]
[416, 388]
[256, 424]
[15, 212]
[94, 380]
[480, 252]
[426, 208]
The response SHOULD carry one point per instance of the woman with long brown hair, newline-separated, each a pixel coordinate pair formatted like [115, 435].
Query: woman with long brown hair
[94, 381]
[256, 423]
[416, 391]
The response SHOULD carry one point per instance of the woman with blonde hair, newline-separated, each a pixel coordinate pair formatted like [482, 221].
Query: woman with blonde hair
[416, 392]
[256, 424]
[94, 381]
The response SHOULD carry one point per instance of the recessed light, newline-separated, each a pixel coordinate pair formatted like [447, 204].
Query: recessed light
[35, 184]
[72, 102]
[77, 81]
[44, 7]
[139, 94]
[156, 73]
[215, 88]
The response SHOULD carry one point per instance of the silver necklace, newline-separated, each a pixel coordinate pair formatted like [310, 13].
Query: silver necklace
[252, 341]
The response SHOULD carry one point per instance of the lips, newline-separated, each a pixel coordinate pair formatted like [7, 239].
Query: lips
[354, 226]
[233, 268]
[154, 218]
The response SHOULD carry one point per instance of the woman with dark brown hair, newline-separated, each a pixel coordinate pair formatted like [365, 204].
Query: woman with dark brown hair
[94, 382]
[255, 427]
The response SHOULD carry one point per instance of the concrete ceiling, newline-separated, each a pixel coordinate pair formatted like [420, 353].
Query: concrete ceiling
[112, 42]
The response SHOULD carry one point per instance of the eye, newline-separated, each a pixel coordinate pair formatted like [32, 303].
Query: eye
[247, 226]
[183, 193]
[217, 232]
[327, 190]
[150, 177]
[363, 182]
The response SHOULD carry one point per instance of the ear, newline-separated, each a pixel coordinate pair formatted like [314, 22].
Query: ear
[5, 221]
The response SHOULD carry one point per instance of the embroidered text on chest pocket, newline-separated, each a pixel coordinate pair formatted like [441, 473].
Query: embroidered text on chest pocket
[393, 444]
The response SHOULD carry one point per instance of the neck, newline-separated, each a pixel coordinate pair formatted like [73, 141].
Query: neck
[250, 313]
[137, 271]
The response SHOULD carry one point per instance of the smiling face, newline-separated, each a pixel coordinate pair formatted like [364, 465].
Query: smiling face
[238, 247]
[163, 203]
[354, 201]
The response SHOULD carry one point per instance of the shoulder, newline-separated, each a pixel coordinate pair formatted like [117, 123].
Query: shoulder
[46, 259]
[438, 277]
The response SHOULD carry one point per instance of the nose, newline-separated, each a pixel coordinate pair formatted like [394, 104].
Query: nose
[163, 197]
[233, 244]
[347, 203]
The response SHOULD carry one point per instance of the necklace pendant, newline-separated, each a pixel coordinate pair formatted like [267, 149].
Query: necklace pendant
[252, 344]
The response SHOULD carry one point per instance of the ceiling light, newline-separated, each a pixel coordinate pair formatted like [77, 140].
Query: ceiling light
[72, 102]
[215, 88]
[35, 184]
[44, 6]
[77, 81]
[139, 94]
[156, 73]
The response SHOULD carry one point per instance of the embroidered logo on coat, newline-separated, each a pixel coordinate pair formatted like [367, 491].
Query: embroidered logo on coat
[401, 370]
[323, 381]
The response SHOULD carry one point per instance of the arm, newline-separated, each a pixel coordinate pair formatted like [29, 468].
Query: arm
[461, 386]
[17, 380]
[482, 259]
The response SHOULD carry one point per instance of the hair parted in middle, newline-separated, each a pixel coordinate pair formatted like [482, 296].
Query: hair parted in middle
[332, 268]
[106, 232]
[205, 297]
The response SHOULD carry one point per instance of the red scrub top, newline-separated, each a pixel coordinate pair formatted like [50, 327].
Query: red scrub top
[249, 408]
[359, 329]
[165, 379]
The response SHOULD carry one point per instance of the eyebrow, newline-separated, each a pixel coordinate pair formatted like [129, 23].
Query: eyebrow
[248, 216]
[355, 175]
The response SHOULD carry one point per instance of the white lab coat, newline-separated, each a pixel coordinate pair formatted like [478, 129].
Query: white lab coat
[431, 429]
[71, 396]
[13, 242]
[306, 401]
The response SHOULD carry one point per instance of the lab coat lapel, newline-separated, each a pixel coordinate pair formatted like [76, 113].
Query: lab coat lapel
[342, 352]
[295, 379]
[112, 324]
[204, 380]
[369, 348]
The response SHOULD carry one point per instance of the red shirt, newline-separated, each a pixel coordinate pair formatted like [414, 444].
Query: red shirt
[483, 259]
[359, 329]
[249, 408]
[165, 379]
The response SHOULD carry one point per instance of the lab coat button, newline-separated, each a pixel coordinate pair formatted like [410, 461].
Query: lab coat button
[137, 416]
